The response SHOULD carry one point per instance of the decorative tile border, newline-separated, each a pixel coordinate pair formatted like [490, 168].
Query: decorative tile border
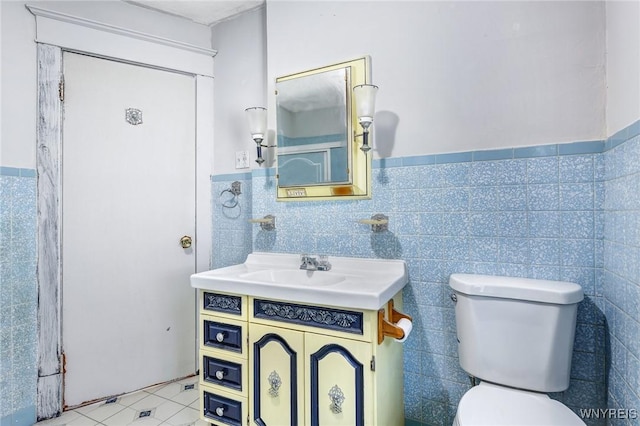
[17, 172]
[623, 135]
[231, 176]
[573, 148]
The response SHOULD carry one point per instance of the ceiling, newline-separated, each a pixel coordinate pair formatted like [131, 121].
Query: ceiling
[207, 12]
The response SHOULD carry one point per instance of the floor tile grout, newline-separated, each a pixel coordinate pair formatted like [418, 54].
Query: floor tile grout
[170, 407]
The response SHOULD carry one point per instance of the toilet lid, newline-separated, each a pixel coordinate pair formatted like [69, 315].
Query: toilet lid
[492, 405]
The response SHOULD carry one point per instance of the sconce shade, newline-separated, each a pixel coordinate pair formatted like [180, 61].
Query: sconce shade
[257, 121]
[365, 98]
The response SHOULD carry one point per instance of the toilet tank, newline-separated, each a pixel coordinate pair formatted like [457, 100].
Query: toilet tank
[516, 332]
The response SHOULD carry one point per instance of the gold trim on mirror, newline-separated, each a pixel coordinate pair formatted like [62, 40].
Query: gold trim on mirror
[352, 183]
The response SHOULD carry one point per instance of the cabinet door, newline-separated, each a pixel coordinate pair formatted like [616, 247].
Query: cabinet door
[339, 381]
[276, 375]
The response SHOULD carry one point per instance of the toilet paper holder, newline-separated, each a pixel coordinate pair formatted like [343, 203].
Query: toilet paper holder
[388, 327]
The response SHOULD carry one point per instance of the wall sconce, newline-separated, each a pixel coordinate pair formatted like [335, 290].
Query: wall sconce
[365, 99]
[257, 120]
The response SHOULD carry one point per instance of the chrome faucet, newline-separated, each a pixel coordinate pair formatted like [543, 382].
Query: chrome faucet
[312, 264]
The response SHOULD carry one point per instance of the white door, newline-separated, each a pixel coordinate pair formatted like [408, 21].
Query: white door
[128, 196]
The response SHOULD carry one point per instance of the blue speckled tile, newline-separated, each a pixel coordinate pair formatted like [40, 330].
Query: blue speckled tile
[583, 367]
[433, 271]
[511, 224]
[544, 224]
[483, 224]
[456, 199]
[431, 200]
[576, 168]
[542, 170]
[455, 248]
[513, 250]
[413, 395]
[456, 224]
[431, 224]
[512, 197]
[583, 394]
[545, 251]
[543, 197]
[484, 173]
[434, 413]
[576, 196]
[577, 224]
[433, 364]
[485, 198]
[512, 172]
[455, 174]
[484, 249]
[578, 253]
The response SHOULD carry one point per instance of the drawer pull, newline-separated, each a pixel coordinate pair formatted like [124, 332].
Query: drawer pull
[220, 374]
[220, 411]
[220, 337]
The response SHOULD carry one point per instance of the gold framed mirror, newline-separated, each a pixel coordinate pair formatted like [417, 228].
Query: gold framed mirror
[318, 157]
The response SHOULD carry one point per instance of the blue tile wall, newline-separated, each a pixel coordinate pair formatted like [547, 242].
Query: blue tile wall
[18, 296]
[532, 212]
[232, 238]
[622, 269]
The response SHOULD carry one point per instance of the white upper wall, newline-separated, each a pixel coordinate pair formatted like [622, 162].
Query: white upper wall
[18, 80]
[623, 64]
[240, 69]
[457, 76]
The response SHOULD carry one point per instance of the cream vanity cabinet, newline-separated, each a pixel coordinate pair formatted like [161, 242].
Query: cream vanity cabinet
[276, 363]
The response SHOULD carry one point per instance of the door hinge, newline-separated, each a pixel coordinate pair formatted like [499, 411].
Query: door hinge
[61, 90]
[247, 420]
[373, 363]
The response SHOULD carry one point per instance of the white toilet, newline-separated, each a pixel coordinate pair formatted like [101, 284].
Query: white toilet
[516, 336]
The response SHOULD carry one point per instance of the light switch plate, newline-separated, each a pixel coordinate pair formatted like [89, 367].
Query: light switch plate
[242, 159]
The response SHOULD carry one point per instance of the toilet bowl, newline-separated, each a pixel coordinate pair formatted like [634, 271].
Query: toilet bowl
[516, 336]
[492, 405]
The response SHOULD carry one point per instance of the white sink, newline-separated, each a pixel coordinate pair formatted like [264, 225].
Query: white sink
[351, 283]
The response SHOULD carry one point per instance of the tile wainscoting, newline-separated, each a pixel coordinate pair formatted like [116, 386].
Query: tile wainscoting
[18, 296]
[538, 212]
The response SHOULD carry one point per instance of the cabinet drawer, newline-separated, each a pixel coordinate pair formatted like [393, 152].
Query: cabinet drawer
[224, 305]
[222, 372]
[223, 334]
[220, 408]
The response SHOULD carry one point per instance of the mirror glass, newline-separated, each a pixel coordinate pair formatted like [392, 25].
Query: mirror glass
[317, 156]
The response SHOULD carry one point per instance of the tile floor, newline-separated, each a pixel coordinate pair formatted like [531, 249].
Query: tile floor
[171, 404]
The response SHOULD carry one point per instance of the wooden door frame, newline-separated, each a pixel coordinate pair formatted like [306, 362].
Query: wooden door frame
[58, 32]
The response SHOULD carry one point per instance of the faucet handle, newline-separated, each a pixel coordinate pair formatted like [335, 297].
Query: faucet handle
[323, 262]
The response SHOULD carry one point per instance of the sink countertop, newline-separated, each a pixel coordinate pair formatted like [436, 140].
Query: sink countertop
[354, 283]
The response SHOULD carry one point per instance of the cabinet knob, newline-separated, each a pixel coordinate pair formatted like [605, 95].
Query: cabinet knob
[220, 337]
[220, 374]
[220, 411]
